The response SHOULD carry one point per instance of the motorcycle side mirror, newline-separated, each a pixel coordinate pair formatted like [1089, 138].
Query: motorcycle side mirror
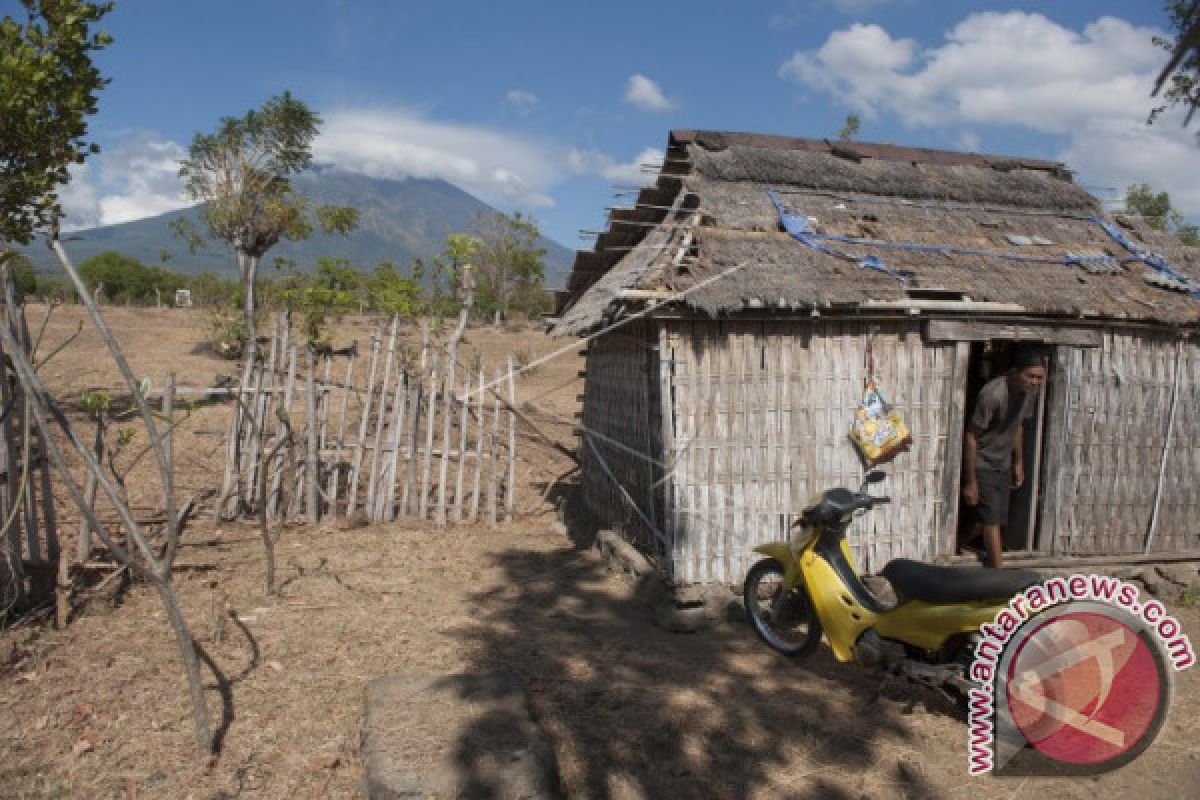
[874, 476]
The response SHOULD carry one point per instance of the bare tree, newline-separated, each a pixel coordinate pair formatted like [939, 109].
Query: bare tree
[142, 555]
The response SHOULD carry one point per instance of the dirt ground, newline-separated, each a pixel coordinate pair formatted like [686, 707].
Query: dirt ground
[100, 710]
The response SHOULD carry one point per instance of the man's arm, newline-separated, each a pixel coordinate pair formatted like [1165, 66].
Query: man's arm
[970, 487]
[1018, 458]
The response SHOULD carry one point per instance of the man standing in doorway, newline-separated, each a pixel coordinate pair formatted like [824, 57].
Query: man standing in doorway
[993, 451]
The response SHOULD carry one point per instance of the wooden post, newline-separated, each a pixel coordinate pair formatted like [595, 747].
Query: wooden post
[26, 468]
[230, 482]
[386, 510]
[259, 405]
[493, 488]
[168, 412]
[412, 434]
[381, 419]
[447, 415]
[481, 432]
[510, 492]
[360, 444]
[89, 493]
[464, 422]
[62, 591]
[427, 459]
[278, 487]
[323, 408]
[336, 472]
[10, 397]
[311, 467]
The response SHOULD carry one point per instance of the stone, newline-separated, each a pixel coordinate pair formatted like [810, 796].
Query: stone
[356, 520]
[463, 735]
[681, 619]
[623, 555]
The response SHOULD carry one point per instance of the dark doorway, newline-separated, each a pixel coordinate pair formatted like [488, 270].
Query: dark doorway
[988, 360]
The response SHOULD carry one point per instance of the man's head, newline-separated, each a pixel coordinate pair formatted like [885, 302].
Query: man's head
[1029, 369]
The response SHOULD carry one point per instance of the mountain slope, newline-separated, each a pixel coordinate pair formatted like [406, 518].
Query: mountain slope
[398, 221]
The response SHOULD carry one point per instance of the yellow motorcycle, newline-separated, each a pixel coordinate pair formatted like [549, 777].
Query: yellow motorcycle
[809, 585]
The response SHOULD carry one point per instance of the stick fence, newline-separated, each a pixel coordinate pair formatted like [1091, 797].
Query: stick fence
[416, 438]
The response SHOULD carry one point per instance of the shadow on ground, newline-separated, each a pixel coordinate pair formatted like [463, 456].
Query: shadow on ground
[634, 711]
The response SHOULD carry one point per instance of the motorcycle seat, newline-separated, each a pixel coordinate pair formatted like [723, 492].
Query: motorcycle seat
[914, 580]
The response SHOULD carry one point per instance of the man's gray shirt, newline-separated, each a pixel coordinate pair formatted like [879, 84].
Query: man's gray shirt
[998, 413]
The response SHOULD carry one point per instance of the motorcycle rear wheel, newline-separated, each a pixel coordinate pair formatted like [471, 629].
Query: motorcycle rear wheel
[784, 619]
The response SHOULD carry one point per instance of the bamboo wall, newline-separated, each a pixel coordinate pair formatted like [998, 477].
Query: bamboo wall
[761, 415]
[1110, 435]
[619, 443]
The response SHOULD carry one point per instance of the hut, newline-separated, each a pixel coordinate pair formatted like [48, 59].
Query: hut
[730, 309]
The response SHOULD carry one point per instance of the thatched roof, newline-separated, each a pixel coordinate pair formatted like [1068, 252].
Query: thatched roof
[991, 229]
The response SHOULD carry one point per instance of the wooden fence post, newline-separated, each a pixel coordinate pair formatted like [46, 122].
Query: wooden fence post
[481, 432]
[510, 491]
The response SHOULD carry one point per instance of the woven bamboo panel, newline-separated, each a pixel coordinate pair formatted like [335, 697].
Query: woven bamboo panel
[1108, 442]
[1179, 505]
[616, 407]
[761, 414]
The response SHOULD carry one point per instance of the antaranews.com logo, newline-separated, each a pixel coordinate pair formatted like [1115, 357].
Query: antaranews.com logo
[1074, 677]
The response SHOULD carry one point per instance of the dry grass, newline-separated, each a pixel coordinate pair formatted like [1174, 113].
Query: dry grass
[99, 710]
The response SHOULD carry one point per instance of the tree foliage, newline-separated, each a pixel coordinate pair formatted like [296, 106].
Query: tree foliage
[242, 173]
[850, 128]
[48, 88]
[392, 293]
[1179, 81]
[25, 280]
[127, 280]
[511, 266]
[1156, 209]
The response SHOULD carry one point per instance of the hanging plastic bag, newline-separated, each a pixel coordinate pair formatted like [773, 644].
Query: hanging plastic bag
[877, 430]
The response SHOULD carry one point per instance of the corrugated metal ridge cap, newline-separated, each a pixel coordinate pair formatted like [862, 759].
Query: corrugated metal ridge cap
[879, 151]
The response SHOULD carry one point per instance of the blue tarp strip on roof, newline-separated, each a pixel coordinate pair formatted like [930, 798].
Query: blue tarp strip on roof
[797, 225]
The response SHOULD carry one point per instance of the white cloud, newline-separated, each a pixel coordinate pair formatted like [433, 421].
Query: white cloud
[523, 101]
[400, 143]
[645, 94]
[138, 177]
[592, 161]
[796, 14]
[1024, 70]
[1117, 155]
[969, 141]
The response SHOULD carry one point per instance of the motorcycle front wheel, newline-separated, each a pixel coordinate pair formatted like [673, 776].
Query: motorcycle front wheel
[783, 618]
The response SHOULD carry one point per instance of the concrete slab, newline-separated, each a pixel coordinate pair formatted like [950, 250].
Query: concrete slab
[454, 736]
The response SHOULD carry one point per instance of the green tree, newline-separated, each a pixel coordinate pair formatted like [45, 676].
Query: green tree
[210, 289]
[127, 280]
[242, 173]
[850, 129]
[25, 280]
[511, 266]
[392, 293]
[1181, 76]
[48, 88]
[329, 293]
[1156, 209]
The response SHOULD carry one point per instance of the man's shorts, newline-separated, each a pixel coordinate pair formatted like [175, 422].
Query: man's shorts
[995, 488]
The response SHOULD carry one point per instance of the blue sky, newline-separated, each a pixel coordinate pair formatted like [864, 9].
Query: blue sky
[544, 106]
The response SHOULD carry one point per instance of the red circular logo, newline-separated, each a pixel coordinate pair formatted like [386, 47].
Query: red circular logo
[1084, 688]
